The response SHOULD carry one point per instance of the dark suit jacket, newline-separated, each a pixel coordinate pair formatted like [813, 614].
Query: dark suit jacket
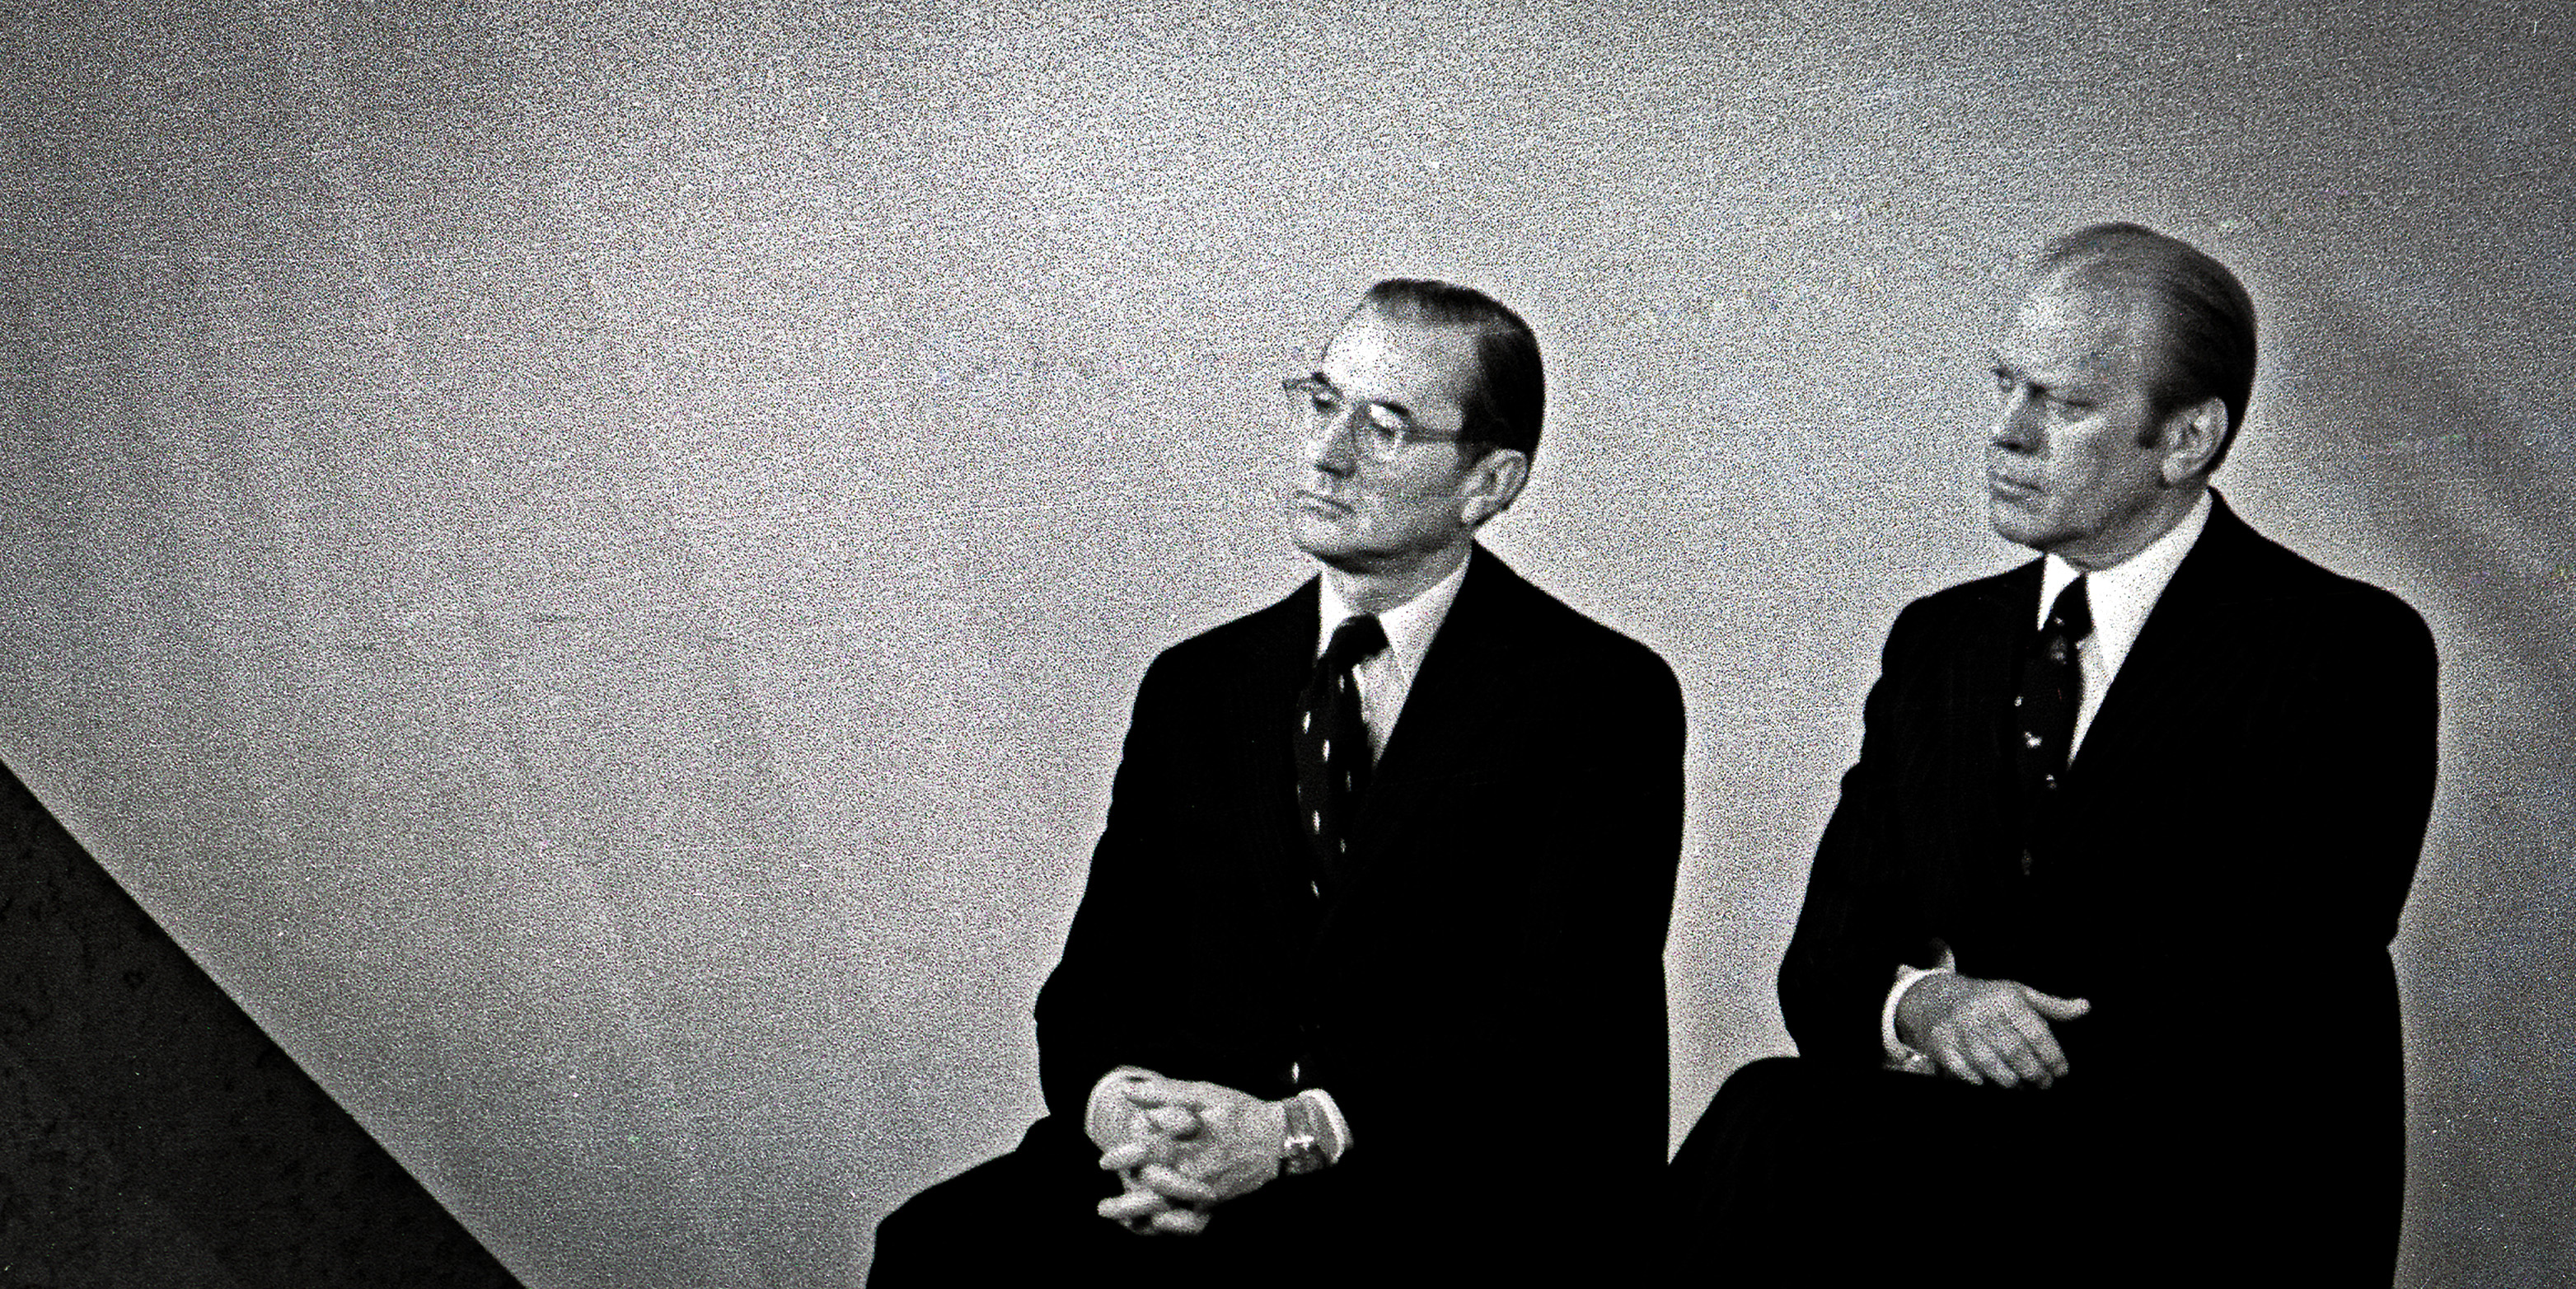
[2240, 828]
[1486, 1000]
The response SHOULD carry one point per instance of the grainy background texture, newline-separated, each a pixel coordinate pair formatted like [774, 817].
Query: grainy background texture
[588, 560]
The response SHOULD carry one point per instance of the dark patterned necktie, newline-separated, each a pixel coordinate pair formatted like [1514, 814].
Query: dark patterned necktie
[2052, 690]
[1333, 748]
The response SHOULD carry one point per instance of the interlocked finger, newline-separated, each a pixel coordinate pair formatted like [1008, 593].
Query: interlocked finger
[1175, 1186]
[1134, 1207]
[1176, 1122]
[1946, 1048]
[2012, 1047]
[1128, 1155]
[1180, 1221]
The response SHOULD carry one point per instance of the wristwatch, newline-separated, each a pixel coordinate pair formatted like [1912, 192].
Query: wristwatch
[1301, 1150]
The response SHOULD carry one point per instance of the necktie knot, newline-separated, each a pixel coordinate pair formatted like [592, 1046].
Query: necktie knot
[1357, 638]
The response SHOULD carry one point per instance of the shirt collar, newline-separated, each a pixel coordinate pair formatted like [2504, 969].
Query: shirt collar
[1409, 626]
[2122, 595]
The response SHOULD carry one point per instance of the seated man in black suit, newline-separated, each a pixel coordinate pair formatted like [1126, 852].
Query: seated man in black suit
[2092, 981]
[1369, 970]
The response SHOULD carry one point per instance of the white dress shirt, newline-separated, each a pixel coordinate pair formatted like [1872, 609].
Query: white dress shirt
[2120, 598]
[1386, 677]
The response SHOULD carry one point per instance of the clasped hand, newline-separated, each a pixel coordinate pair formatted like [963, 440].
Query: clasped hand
[1987, 1030]
[1181, 1148]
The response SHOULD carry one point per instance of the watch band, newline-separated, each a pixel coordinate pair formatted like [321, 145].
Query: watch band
[1301, 1150]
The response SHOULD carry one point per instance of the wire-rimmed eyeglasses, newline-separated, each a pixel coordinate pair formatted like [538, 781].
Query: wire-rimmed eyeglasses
[1379, 431]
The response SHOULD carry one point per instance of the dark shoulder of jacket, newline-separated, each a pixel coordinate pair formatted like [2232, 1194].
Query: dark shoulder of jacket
[1571, 637]
[2321, 598]
[1217, 648]
[1976, 600]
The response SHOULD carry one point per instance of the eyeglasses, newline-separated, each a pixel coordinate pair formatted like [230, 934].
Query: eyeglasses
[1380, 432]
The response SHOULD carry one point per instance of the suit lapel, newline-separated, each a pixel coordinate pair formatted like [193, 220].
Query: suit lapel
[1993, 674]
[1986, 681]
[1277, 657]
[1447, 715]
[2172, 661]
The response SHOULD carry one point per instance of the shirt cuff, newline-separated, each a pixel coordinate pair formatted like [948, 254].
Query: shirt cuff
[1899, 1056]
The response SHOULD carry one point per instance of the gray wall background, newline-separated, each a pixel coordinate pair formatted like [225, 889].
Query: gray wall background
[589, 559]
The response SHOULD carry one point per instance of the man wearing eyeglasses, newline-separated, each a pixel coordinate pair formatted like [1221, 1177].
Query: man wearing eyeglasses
[1367, 983]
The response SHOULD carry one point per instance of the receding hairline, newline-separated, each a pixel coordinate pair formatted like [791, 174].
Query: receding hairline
[2163, 283]
[1466, 331]
[1465, 373]
[1504, 398]
[1406, 313]
[2138, 311]
[2116, 272]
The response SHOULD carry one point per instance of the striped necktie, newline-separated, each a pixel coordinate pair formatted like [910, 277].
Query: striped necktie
[2052, 690]
[1333, 756]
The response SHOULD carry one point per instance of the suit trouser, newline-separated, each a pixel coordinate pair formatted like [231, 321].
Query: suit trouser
[1802, 1172]
[1028, 1217]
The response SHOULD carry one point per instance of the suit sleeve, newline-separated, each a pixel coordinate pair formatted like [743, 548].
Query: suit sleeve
[2314, 825]
[1600, 957]
[1082, 1030]
[1857, 926]
[2262, 1020]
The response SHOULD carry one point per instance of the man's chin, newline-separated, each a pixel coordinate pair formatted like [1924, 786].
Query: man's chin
[2014, 523]
[1318, 533]
[1335, 547]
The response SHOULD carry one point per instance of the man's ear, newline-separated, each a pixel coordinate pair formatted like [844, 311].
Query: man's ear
[1492, 484]
[2192, 436]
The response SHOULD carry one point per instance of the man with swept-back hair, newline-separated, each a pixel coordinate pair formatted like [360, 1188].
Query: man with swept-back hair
[2201, 316]
[2092, 982]
[1506, 397]
[1367, 983]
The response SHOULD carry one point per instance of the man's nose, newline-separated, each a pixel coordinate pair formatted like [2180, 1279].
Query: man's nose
[2015, 428]
[1328, 444]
